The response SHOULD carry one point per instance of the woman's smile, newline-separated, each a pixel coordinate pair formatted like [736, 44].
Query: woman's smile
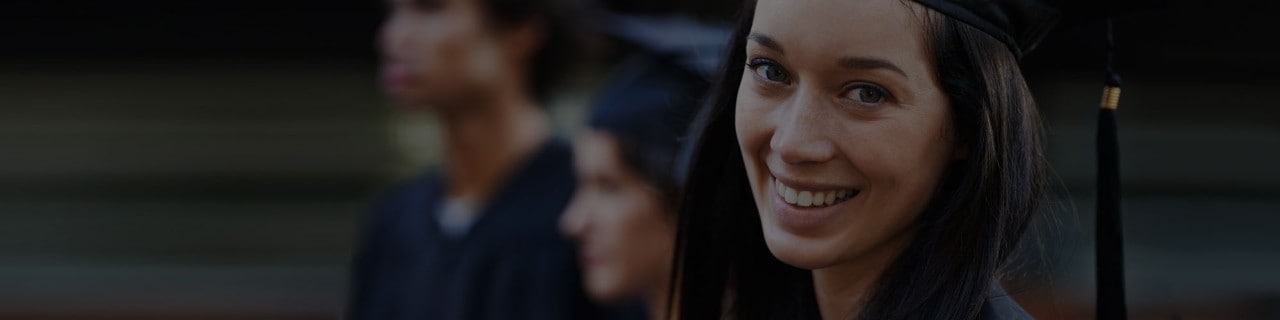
[803, 208]
[807, 198]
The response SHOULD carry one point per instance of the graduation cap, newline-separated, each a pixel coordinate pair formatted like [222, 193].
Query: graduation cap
[653, 94]
[1021, 24]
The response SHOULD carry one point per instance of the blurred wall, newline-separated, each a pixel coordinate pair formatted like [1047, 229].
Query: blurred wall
[185, 159]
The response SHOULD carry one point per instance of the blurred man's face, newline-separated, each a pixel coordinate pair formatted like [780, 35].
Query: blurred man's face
[439, 54]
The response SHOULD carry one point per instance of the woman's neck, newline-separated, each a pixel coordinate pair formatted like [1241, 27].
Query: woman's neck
[483, 143]
[842, 290]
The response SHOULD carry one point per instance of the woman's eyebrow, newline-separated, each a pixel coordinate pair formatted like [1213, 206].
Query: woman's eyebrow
[765, 41]
[865, 63]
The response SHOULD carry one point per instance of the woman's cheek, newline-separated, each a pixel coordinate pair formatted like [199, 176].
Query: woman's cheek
[752, 121]
[911, 169]
[753, 136]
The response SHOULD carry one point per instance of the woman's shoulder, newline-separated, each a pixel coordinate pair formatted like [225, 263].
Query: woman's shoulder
[999, 306]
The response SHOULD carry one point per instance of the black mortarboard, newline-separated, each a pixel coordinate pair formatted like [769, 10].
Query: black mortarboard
[698, 49]
[1019, 24]
[647, 106]
[649, 101]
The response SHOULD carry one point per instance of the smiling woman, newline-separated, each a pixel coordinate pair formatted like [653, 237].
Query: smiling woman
[894, 164]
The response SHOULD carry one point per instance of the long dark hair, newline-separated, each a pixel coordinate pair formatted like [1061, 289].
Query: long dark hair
[974, 222]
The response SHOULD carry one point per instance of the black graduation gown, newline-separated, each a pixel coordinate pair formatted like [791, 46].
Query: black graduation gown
[511, 264]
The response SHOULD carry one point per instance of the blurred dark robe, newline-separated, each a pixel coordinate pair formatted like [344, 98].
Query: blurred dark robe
[511, 263]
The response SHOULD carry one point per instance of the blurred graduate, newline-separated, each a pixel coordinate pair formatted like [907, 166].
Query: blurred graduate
[475, 238]
[623, 214]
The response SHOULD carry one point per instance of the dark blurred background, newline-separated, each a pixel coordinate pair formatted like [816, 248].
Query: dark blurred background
[185, 159]
[213, 159]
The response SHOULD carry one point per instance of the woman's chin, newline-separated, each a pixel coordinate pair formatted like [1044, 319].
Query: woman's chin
[605, 291]
[799, 252]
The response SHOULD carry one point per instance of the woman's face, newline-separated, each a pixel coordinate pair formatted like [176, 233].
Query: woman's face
[623, 229]
[842, 126]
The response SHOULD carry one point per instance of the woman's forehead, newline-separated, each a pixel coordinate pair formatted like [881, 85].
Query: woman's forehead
[831, 29]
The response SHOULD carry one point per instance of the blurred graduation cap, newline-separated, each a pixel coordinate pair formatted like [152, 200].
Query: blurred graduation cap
[1021, 25]
[652, 94]
[694, 45]
[662, 28]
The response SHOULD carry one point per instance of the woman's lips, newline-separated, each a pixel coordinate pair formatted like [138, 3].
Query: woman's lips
[802, 210]
[585, 259]
[395, 77]
[586, 255]
[812, 198]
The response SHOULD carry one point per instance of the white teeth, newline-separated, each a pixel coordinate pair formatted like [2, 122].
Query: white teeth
[810, 198]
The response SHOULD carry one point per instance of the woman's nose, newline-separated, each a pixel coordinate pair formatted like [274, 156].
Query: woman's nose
[801, 135]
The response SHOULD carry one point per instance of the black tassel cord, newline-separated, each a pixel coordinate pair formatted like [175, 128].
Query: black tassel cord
[1110, 242]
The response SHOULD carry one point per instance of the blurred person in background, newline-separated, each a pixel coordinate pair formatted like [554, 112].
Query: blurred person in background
[475, 238]
[623, 213]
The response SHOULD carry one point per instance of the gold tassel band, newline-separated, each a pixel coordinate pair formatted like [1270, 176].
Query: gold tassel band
[1110, 97]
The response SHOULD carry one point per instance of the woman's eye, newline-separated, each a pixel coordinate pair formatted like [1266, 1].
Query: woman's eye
[774, 73]
[868, 94]
[769, 70]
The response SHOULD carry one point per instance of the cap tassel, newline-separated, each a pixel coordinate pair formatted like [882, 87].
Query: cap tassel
[1110, 241]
